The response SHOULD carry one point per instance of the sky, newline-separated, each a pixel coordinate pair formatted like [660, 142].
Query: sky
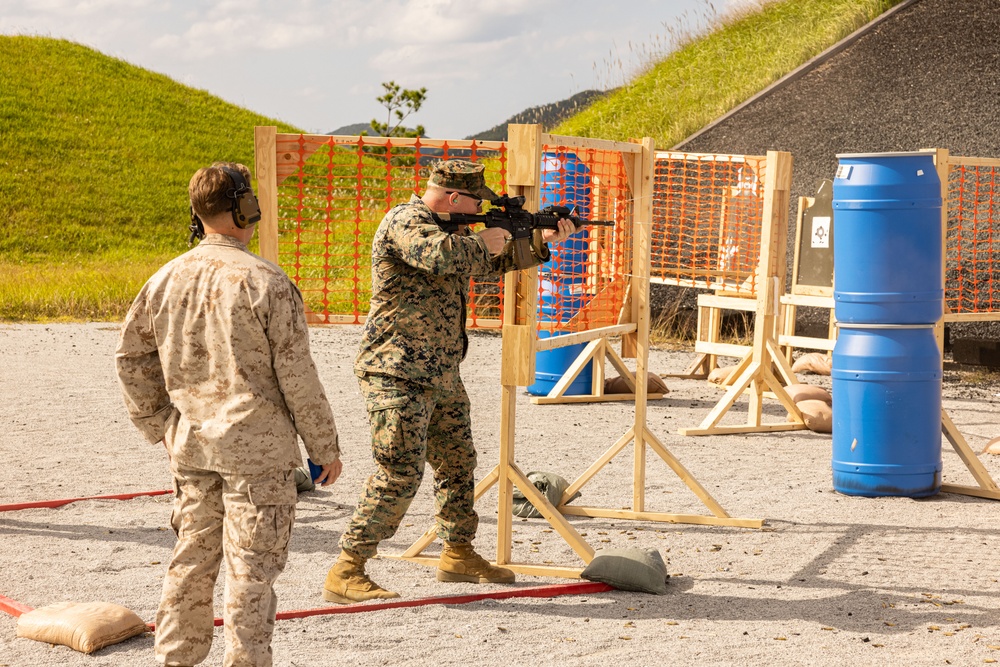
[319, 64]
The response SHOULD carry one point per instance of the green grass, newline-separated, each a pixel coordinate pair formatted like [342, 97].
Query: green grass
[95, 157]
[710, 75]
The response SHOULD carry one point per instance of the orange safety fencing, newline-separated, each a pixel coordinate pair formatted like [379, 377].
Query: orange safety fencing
[585, 283]
[972, 250]
[707, 220]
[332, 193]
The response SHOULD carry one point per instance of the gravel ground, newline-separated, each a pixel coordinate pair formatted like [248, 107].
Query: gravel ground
[830, 579]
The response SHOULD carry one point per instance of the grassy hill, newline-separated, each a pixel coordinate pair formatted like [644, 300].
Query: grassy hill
[95, 157]
[95, 153]
[709, 76]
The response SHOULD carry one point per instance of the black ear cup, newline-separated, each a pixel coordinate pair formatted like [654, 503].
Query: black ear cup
[196, 228]
[246, 210]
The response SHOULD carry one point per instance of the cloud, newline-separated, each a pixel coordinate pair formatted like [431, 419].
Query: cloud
[456, 61]
[444, 22]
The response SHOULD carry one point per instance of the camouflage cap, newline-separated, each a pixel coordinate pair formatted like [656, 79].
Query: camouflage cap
[461, 175]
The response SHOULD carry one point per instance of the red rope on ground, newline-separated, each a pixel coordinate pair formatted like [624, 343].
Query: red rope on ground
[550, 591]
[13, 607]
[67, 501]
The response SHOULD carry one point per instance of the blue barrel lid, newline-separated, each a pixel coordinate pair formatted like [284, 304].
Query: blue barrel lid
[928, 153]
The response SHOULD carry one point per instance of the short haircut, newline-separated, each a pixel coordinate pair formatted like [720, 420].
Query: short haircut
[209, 185]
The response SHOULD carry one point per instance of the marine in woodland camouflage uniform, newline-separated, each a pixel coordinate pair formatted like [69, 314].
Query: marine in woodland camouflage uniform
[408, 364]
[214, 362]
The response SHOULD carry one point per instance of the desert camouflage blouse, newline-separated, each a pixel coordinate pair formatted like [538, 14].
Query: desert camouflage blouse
[214, 360]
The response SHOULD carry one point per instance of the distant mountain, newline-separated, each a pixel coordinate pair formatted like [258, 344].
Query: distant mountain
[546, 115]
[353, 129]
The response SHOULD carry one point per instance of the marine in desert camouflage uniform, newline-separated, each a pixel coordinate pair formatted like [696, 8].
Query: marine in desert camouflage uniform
[408, 369]
[214, 362]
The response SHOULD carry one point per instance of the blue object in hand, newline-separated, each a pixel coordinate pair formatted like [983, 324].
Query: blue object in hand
[314, 470]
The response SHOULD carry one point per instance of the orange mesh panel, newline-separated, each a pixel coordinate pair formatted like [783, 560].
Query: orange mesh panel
[332, 193]
[584, 285]
[972, 255]
[707, 212]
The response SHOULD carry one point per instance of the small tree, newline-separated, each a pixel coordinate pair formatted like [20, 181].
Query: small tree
[399, 103]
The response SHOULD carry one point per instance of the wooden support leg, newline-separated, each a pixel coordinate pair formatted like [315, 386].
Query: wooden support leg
[987, 486]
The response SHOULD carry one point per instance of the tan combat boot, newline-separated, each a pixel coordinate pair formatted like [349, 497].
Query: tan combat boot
[459, 562]
[346, 582]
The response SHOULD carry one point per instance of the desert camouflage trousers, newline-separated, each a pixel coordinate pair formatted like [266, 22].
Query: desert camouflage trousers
[412, 425]
[246, 520]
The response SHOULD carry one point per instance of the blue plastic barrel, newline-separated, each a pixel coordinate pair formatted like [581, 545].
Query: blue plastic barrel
[562, 280]
[551, 365]
[886, 411]
[887, 253]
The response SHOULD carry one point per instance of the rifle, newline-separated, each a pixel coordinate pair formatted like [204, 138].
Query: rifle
[508, 214]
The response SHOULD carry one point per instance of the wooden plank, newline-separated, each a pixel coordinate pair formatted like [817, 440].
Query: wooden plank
[727, 302]
[662, 517]
[590, 398]
[642, 244]
[585, 357]
[564, 340]
[517, 355]
[524, 163]
[812, 290]
[520, 309]
[619, 365]
[707, 157]
[267, 190]
[721, 349]
[941, 166]
[971, 317]
[805, 342]
[597, 376]
[974, 161]
[519, 568]
[809, 300]
[972, 462]
[623, 147]
[970, 491]
[804, 203]
[686, 477]
[745, 428]
[735, 390]
[552, 515]
[401, 142]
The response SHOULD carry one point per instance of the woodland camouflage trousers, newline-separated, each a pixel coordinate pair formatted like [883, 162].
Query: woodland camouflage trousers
[412, 425]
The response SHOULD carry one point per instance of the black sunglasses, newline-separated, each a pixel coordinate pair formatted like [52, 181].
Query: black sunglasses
[479, 200]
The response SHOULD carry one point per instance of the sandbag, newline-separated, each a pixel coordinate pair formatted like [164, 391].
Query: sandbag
[720, 374]
[817, 415]
[303, 481]
[813, 362]
[552, 487]
[641, 570]
[83, 626]
[808, 392]
[654, 385]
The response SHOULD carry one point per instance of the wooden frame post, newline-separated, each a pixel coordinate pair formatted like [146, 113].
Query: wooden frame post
[266, 166]
[756, 372]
